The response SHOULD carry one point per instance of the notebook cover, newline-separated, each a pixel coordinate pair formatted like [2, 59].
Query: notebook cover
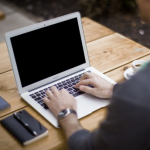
[20, 132]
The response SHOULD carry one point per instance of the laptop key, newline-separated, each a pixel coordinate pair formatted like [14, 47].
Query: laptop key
[65, 87]
[36, 99]
[41, 91]
[61, 85]
[77, 94]
[69, 89]
[71, 92]
[72, 80]
[46, 107]
[63, 82]
[70, 85]
[68, 82]
[33, 96]
[40, 102]
[73, 83]
[38, 94]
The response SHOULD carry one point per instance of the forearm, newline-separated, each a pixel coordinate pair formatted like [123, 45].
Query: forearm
[77, 137]
[70, 125]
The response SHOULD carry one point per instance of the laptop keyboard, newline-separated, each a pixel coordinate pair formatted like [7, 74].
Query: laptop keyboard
[66, 84]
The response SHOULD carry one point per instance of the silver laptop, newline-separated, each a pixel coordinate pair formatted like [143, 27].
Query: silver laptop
[52, 53]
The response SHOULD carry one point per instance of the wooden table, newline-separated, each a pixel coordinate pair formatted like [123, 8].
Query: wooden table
[109, 52]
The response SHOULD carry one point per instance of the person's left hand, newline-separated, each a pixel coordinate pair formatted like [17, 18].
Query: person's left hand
[59, 100]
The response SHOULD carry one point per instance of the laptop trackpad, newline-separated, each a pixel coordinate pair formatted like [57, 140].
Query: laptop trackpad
[88, 103]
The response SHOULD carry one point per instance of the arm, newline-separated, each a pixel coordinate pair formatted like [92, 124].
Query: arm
[126, 126]
[60, 100]
[70, 125]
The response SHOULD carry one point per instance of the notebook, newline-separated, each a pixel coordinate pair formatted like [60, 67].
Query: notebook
[50, 53]
[20, 132]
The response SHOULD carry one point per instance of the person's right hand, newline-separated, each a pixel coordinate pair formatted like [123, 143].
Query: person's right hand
[102, 88]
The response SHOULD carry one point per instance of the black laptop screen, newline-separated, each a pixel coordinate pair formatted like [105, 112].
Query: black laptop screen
[48, 51]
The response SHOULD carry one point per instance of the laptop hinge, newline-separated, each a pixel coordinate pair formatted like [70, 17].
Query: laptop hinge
[56, 80]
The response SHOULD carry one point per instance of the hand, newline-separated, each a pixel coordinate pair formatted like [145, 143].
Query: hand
[59, 100]
[102, 88]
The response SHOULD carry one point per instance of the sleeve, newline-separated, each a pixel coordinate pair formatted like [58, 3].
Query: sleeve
[81, 140]
[127, 125]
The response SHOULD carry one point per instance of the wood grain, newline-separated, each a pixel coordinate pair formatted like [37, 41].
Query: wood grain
[118, 74]
[94, 30]
[9, 92]
[55, 140]
[5, 64]
[113, 51]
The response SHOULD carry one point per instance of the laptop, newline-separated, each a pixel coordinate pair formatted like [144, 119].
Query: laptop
[52, 53]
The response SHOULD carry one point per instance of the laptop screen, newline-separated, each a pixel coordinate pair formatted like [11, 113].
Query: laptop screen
[48, 51]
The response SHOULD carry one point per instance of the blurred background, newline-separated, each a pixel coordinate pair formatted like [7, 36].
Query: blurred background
[119, 15]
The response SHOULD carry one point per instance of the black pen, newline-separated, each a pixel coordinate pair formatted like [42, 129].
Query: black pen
[24, 124]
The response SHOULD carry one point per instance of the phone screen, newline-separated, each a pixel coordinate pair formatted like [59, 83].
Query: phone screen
[3, 104]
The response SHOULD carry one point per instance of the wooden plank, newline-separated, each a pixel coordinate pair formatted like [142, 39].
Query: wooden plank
[55, 140]
[113, 51]
[118, 74]
[2, 15]
[9, 92]
[94, 30]
[5, 64]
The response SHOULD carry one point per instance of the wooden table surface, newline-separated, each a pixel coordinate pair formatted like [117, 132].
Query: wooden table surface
[109, 52]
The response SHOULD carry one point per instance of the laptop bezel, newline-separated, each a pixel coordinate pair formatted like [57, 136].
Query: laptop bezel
[38, 26]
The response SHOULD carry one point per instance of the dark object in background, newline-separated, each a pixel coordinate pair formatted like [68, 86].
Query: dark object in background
[3, 104]
[93, 8]
[118, 15]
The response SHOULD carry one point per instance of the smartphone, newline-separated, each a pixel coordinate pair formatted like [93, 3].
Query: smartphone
[3, 104]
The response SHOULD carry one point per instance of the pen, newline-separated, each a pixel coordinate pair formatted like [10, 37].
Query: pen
[24, 124]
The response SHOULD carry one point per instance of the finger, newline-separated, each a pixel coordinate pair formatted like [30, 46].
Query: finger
[49, 93]
[63, 90]
[46, 101]
[85, 76]
[54, 90]
[83, 82]
[86, 89]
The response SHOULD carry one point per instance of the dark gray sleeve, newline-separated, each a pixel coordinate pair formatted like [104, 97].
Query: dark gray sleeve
[127, 125]
[81, 140]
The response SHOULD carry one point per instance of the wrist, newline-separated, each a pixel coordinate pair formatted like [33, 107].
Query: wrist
[70, 124]
[110, 91]
[70, 119]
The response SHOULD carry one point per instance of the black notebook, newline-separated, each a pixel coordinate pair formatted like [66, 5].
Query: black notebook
[21, 132]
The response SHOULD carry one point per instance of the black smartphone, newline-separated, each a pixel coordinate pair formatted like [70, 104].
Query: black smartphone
[3, 104]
